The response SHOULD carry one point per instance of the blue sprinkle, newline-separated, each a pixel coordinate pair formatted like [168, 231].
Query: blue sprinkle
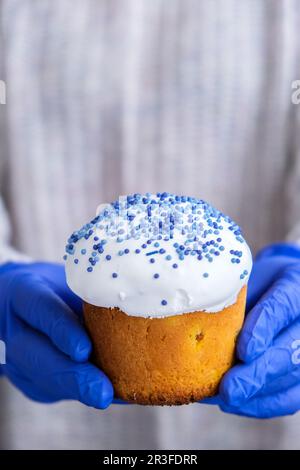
[185, 218]
[126, 251]
[205, 275]
[156, 276]
[164, 302]
[76, 261]
[89, 269]
[175, 265]
[152, 260]
[65, 257]
[70, 248]
[108, 257]
[137, 251]
[121, 253]
[114, 275]
[152, 253]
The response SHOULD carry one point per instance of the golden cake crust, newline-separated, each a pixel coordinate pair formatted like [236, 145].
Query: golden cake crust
[165, 361]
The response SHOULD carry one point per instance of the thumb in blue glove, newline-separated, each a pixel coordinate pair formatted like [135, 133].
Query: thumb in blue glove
[47, 348]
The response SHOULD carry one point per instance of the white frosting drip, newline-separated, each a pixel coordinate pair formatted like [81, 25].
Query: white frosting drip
[194, 285]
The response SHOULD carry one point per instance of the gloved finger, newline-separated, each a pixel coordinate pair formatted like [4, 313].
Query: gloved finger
[216, 400]
[277, 309]
[118, 401]
[32, 391]
[285, 381]
[36, 303]
[263, 275]
[29, 389]
[55, 374]
[283, 403]
[282, 249]
[244, 381]
[281, 383]
[56, 277]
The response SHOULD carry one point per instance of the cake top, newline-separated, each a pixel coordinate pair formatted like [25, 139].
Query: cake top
[156, 255]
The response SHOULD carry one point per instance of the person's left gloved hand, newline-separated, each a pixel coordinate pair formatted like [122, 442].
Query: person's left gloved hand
[47, 347]
[266, 383]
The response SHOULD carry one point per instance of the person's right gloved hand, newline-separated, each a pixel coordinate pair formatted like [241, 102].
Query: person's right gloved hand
[47, 348]
[266, 381]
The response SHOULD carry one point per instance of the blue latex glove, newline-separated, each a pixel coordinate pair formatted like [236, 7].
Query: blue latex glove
[47, 348]
[267, 382]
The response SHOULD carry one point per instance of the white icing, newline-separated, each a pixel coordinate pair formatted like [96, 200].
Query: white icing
[135, 290]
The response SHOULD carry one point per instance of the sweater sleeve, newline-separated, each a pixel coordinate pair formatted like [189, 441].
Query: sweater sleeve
[292, 182]
[7, 251]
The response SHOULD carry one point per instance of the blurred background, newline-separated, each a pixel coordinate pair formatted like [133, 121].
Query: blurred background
[108, 97]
